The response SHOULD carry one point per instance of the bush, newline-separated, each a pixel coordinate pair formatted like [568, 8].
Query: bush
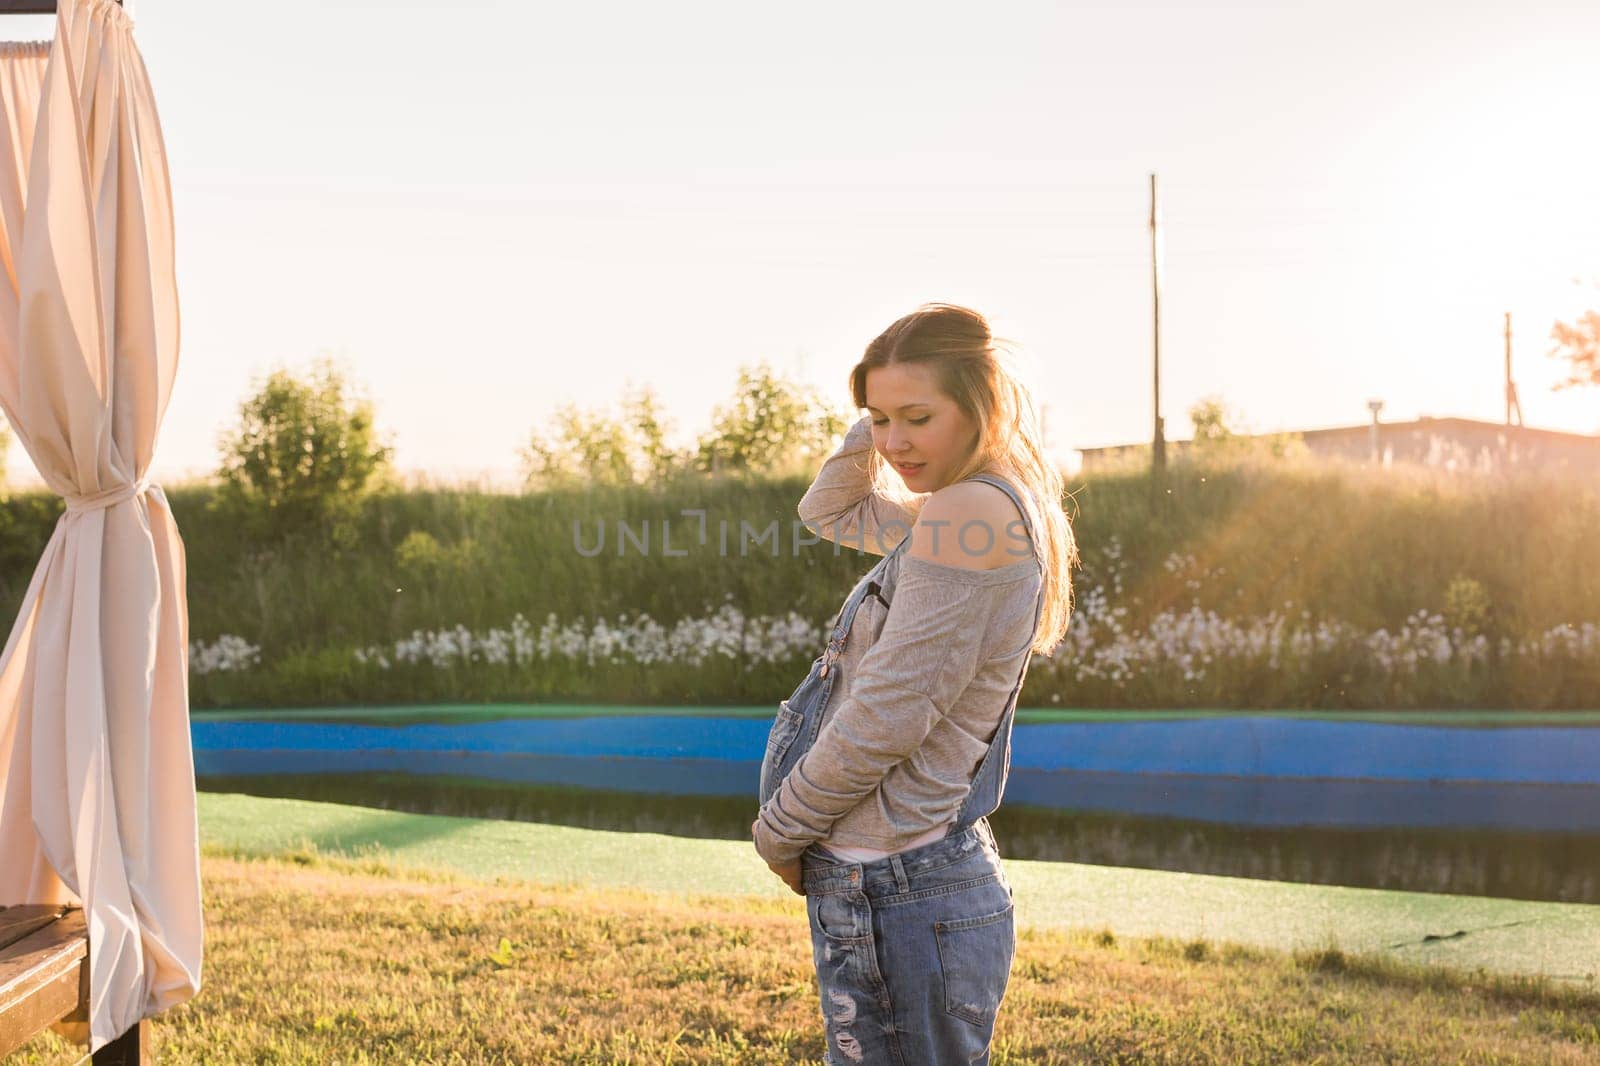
[303, 453]
[772, 426]
[591, 447]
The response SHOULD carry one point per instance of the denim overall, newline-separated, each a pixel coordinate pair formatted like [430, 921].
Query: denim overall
[913, 951]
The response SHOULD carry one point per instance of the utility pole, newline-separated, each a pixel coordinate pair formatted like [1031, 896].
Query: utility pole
[1512, 403]
[1158, 446]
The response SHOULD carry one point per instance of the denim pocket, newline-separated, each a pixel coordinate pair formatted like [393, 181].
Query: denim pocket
[785, 727]
[840, 916]
[975, 960]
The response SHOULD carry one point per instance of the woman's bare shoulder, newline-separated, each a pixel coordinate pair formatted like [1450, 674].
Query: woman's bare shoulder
[970, 524]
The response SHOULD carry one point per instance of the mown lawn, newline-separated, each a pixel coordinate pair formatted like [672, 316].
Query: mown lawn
[318, 960]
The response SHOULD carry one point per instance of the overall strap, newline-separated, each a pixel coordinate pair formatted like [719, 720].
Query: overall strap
[1027, 522]
[868, 585]
[992, 770]
[1005, 486]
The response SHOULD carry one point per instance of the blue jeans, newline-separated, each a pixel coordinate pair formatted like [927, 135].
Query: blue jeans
[913, 951]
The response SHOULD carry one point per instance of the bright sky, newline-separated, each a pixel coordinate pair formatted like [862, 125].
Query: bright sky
[490, 209]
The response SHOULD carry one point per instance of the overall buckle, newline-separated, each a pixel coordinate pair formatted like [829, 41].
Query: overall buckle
[829, 654]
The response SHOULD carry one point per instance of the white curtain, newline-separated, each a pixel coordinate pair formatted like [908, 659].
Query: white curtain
[97, 799]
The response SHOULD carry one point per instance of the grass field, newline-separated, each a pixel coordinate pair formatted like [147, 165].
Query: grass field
[340, 934]
[1559, 940]
[314, 960]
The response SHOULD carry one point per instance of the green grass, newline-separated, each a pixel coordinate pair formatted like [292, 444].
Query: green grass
[311, 960]
[421, 942]
[1557, 940]
[1368, 548]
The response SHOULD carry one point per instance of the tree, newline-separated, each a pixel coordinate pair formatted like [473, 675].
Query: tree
[771, 425]
[1579, 345]
[593, 447]
[1220, 433]
[304, 451]
[1209, 417]
[649, 426]
[585, 446]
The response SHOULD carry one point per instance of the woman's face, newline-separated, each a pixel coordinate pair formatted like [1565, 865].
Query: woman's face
[913, 422]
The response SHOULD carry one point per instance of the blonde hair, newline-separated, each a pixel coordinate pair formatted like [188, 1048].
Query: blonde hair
[978, 371]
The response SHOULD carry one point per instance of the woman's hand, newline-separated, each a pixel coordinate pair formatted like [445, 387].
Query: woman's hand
[788, 871]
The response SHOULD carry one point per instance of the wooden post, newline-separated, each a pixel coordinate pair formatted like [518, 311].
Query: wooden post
[130, 1049]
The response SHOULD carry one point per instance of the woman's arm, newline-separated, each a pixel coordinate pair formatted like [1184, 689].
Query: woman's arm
[932, 644]
[842, 506]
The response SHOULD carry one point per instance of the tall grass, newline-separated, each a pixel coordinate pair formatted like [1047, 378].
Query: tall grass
[1368, 546]
[1320, 543]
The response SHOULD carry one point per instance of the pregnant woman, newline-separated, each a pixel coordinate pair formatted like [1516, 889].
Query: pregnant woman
[882, 767]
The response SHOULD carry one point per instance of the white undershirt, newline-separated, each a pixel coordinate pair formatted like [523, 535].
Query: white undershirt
[938, 832]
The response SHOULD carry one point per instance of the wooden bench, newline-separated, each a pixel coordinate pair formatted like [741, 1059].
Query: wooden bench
[44, 981]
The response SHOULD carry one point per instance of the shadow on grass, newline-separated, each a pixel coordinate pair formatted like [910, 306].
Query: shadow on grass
[1559, 867]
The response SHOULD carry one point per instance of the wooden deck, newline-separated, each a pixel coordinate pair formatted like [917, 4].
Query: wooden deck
[44, 971]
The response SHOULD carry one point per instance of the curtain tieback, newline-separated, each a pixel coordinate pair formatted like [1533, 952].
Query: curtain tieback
[96, 501]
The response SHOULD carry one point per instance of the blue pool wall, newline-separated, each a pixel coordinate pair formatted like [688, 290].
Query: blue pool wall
[1243, 771]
